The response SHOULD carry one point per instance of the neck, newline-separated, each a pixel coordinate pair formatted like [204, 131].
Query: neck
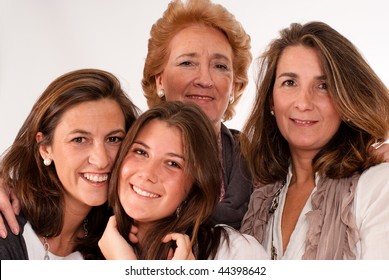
[143, 228]
[302, 167]
[217, 126]
[73, 228]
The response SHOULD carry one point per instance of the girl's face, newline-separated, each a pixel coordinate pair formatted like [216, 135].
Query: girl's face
[153, 181]
[200, 70]
[305, 113]
[85, 143]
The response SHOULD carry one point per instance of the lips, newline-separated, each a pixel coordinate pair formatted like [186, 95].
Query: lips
[303, 122]
[144, 193]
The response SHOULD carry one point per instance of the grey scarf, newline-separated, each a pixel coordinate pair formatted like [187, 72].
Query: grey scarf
[332, 232]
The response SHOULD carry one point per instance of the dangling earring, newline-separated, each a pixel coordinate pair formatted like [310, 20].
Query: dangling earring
[272, 112]
[232, 99]
[47, 161]
[178, 211]
[85, 227]
[161, 93]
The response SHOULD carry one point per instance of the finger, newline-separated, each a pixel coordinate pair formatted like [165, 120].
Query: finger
[132, 236]
[15, 202]
[9, 215]
[3, 230]
[381, 149]
[184, 246]
[112, 222]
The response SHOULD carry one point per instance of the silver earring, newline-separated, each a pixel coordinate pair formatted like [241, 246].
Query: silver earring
[232, 99]
[272, 112]
[178, 210]
[47, 161]
[161, 93]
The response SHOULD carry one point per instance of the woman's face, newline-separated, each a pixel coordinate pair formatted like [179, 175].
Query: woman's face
[153, 181]
[199, 69]
[304, 110]
[85, 143]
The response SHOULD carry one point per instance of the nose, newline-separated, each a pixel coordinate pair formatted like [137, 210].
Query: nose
[99, 156]
[149, 171]
[204, 78]
[304, 100]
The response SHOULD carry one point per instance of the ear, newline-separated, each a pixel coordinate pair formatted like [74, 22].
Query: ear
[158, 81]
[271, 102]
[44, 150]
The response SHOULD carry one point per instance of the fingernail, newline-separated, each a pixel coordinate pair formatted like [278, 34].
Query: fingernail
[377, 145]
[2, 234]
[15, 230]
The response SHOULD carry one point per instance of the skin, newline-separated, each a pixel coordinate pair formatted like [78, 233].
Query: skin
[84, 148]
[307, 119]
[152, 184]
[199, 69]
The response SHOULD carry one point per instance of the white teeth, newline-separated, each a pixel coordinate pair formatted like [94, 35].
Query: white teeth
[303, 122]
[96, 178]
[200, 97]
[144, 193]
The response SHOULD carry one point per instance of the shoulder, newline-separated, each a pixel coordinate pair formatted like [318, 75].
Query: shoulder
[231, 133]
[373, 187]
[374, 179]
[239, 246]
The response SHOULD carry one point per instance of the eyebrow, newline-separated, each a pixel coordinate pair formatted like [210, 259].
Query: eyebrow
[84, 132]
[148, 147]
[294, 75]
[193, 54]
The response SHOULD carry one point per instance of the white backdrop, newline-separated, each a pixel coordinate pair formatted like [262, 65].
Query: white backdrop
[42, 39]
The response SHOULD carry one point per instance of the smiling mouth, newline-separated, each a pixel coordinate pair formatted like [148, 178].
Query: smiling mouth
[199, 97]
[96, 178]
[144, 193]
[304, 122]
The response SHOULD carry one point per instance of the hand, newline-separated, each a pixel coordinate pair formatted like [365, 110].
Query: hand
[9, 207]
[184, 247]
[133, 234]
[382, 149]
[113, 245]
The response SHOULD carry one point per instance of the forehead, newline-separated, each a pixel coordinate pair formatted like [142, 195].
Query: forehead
[161, 137]
[299, 56]
[199, 37]
[91, 115]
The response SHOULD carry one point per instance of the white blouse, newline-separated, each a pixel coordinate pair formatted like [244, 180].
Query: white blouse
[371, 209]
[241, 247]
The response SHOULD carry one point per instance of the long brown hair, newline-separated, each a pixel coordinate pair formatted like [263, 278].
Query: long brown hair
[38, 187]
[202, 162]
[180, 15]
[359, 96]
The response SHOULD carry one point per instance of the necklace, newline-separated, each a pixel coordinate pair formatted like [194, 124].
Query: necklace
[46, 244]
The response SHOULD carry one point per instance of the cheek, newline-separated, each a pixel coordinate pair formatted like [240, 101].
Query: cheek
[225, 85]
[174, 85]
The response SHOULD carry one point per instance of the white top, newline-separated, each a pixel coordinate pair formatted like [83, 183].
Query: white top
[241, 247]
[371, 209]
[36, 250]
